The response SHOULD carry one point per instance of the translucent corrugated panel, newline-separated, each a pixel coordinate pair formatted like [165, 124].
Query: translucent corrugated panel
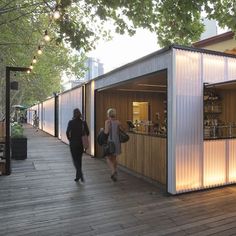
[232, 160]
[213, 68]
[189, 121]
[40, 114]
[231, 68]
[67, 103]
[49, 116]
[214, 163]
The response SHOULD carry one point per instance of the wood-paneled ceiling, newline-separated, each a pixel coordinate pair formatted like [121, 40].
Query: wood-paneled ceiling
[153, 83]
[229, 85]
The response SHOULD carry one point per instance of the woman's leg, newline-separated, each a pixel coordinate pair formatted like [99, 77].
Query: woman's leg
[77, 161]
[112, 163]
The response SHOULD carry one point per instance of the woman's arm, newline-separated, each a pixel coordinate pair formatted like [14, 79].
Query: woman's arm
[68, 131]
[107, 126]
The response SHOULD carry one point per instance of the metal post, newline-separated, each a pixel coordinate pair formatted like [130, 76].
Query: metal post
[7, 140]
[7, 111]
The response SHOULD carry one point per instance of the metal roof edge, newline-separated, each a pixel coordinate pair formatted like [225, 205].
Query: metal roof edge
[202, 50]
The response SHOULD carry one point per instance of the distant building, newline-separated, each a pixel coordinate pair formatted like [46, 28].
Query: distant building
[95, 68]
[70, 84]
[210, 28]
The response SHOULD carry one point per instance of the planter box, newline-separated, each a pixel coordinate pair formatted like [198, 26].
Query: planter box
[19, 148]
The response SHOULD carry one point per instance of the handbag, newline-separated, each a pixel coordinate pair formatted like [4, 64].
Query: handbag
[102, 137]
[85, 140]
[124, 137]
[109, 147]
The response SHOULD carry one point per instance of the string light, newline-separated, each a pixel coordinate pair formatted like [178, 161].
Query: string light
[28, 71]
[46, 36]
[39, 50]
[31, 66]
[56, 14]
[34, 60]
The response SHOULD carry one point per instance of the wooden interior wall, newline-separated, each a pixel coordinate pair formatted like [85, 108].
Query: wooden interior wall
[143, 154]
[228, 106]
[122, 102]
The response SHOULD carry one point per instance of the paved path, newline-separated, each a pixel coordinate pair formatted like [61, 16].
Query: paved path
[41, 198]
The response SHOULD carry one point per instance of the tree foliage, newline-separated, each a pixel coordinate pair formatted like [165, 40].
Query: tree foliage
[83, 22]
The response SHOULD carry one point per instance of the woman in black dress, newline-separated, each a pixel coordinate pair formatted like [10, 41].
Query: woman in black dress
[75, 130]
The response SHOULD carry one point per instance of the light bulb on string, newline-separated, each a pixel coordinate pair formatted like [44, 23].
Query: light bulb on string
[39, 50]
[28, 71]
[56, 14]
[46, 36]
[34, 60]
[31, 66]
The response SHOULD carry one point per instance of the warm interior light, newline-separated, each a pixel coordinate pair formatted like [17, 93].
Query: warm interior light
[56, 14]
[34, 60]
[46, 36]
[31, 66]
[39, 50]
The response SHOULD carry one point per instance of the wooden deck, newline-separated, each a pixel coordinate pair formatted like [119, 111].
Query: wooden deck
[41, 198]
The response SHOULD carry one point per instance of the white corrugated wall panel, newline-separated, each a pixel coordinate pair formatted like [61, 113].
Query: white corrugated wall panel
[214, 68]
[67, 103]
[214, 163]
[231, 62]
[232, 160]
[32, 110]
[49, 116]
[40, 115]
[189, 121]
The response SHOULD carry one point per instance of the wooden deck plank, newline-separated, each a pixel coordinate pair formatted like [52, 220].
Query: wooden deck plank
[41, 198]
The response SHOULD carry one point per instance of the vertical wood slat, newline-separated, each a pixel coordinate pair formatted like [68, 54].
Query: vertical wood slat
[145, 155]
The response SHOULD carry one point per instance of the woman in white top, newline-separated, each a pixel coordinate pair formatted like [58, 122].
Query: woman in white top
[112, 126]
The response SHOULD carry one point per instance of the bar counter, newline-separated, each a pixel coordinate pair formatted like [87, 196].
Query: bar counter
[145, 154]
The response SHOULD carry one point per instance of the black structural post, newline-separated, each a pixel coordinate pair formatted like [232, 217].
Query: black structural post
[7, 111]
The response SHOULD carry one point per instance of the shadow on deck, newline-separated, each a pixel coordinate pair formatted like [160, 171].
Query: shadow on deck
[41, 198]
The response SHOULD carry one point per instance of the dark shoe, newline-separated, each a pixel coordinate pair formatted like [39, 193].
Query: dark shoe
[82, 178]
[113, 177]
[76, 179]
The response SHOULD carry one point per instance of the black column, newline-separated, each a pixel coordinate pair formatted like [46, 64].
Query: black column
[7, 120]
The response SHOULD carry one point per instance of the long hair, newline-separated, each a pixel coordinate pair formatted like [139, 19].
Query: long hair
[76, 113]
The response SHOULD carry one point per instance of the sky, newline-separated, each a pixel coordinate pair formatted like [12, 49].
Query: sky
[123, 49]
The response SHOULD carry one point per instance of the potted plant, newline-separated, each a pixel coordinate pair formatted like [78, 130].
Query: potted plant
[18, 142]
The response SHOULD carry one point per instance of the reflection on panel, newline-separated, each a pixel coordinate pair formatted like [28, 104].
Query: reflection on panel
[67, 103]
[48, 116]
[214, 163]
[213, 69]
[231, 69]
[188, 121]
[232, 160]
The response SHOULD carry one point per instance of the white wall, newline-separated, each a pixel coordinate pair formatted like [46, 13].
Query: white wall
[68, 101]
[198, 163]
[49, 116]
